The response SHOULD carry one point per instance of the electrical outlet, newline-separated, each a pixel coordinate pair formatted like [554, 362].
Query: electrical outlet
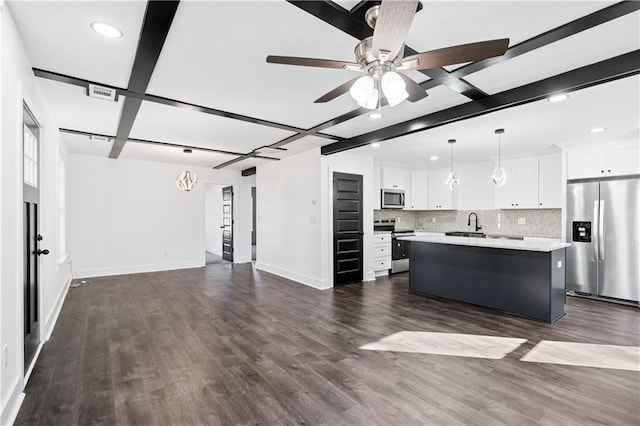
[522, 221]
[166, 253]
[5, 357]
[313, 220]
[433, 220]
[559, 264]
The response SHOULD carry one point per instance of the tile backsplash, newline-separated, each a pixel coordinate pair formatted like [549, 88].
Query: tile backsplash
[537, 222]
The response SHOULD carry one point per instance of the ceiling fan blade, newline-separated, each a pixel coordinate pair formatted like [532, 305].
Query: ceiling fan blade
[392, 26]
[455, 54]
[312, 62]
[340, 90]
[415, 91]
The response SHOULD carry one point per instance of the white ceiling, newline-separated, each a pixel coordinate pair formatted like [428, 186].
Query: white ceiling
[215, 52]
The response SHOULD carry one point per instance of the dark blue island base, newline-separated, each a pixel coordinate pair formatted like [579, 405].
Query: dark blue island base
[530, 284]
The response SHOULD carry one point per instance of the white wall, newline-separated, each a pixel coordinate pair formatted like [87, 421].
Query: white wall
[128, 216]
[356, 164]
[213, 218]
[288, 218]
[18, 84]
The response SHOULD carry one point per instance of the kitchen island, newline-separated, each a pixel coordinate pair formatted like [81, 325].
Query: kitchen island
[522, 277]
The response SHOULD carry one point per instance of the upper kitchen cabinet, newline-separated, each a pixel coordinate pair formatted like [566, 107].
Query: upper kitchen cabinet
[418, 191]
[520, 191]
[608, 159]
[550, 182]
[395, 178]
[439, 196]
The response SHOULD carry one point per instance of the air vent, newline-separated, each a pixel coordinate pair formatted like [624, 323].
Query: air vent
[99, 138]
[101, 92]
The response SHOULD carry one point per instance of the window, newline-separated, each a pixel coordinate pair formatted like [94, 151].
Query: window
[30, 147]
[62, 215]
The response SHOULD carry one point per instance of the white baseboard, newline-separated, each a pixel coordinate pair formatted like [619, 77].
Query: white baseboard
[136, 269]
[55, 313]
[294, 276]
[11, 404]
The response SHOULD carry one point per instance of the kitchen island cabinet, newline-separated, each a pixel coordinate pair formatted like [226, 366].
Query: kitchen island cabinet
[522, 277]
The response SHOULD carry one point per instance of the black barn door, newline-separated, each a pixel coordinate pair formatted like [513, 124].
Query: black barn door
[227, 223]
[347, 228]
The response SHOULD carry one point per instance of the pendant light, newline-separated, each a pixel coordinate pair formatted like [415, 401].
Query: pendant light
[452, 181]
[187, 181]
[499, 176]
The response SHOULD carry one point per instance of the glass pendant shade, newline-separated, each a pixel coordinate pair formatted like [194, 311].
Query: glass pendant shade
[452, 181]
[187, 181]
[394, 88]
[499, 175]
[372, 101]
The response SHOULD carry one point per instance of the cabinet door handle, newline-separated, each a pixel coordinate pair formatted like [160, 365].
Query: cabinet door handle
[601, 171]
[609, 170]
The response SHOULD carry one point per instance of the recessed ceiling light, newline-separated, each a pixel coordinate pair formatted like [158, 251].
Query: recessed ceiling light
[187, 151]
[375, 115]
[558, 98]
[433, 158]
[597, 130]
[375, 145]
[106, 30]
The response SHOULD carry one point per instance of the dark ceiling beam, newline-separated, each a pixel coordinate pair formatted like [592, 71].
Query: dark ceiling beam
[601, 72]
[62, 78]
[248, 172]
[571, 28]
[161, 143]
[355, 26]
[155, 28]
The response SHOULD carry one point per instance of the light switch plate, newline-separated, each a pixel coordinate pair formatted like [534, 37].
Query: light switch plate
[559, 264]
[522, 221]
[5, 357]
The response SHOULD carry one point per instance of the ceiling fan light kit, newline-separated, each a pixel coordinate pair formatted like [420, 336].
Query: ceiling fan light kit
[499, 175]
[381, 56]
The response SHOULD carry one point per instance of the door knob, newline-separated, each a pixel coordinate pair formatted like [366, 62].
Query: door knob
[41, 252]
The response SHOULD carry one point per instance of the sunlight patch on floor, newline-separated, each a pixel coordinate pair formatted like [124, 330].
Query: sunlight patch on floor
[585, 355]
[453, 344]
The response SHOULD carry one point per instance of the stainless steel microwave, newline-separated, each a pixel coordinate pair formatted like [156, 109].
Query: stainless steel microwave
[392, 199]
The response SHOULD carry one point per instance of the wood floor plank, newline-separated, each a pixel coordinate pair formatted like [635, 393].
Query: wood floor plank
[228, 344]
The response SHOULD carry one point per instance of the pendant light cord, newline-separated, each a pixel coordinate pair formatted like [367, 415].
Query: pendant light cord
[499, 152]
[451, 158]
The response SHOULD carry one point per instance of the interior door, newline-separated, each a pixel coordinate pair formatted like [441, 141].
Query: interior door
[31, 236]
[227, 223]
[347, 228]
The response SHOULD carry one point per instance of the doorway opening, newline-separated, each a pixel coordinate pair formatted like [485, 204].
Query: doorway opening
[216, 224]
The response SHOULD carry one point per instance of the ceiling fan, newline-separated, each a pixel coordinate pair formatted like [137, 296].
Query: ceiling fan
[381, 57]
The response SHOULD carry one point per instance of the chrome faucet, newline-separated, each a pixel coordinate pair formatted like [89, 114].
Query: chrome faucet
[478, 227]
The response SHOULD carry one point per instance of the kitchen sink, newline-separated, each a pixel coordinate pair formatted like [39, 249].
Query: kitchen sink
[505, 237]
[466, 234]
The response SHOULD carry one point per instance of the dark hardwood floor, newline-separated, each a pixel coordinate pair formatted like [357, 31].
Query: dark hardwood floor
[227, 344]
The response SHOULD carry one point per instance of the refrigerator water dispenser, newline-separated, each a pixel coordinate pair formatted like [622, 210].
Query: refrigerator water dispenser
[582, 232]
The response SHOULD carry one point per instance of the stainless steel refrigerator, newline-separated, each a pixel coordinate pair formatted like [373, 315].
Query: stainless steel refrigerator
[603, 227]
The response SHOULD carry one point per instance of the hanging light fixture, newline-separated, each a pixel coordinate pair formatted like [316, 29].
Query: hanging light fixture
[394, 88]
[452, 181]
[187, 181]
[499, 176]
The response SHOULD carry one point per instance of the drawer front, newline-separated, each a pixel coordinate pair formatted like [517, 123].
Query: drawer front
[382, 263]
[381, 238]
[382, 250]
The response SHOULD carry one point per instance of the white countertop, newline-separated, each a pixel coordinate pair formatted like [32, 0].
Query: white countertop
[528, 244]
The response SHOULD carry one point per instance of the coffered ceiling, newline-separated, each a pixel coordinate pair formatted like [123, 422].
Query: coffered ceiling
[211, 87]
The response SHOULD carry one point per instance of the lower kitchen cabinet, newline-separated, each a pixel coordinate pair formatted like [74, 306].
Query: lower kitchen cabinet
[381, 253]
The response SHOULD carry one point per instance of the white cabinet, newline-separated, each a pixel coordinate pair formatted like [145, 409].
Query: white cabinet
[418, 190]
[607, 159]
[520, 191]
[439, 196]
[381, 253]
[550, 182]
[395, 178]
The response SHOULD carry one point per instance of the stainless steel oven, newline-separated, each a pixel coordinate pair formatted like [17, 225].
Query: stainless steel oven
[400, 251]
[392, 199]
